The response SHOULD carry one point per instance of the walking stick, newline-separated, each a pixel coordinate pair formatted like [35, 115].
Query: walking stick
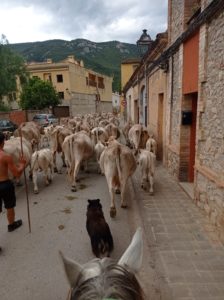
[26, 188]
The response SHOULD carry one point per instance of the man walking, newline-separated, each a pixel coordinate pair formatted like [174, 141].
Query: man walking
[7, 190]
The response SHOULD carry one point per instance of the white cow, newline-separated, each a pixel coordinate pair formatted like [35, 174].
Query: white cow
[57, 137]
[99, 134]
[151, 145]
[31, 132]
[113, 130]
[147, 161]
[125, 131]
[77, 148]
[138, 135]
[15, 147]
[42, 160]
[99, 147]
[118, 163]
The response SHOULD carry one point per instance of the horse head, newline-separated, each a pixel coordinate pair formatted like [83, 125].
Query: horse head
[102, 279]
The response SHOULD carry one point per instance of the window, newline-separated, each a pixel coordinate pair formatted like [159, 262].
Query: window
[100, 83]
[92, 80]
[47, 76]
[59, 78]
[61, 95]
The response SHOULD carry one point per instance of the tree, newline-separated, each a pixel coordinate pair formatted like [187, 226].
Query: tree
[38, 94]
[11, 66]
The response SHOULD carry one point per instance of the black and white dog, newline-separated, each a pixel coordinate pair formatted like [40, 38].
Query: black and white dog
[98, 229]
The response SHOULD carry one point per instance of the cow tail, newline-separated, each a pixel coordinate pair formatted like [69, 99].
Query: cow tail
[118, 162]
[97, 136]
[71, 157]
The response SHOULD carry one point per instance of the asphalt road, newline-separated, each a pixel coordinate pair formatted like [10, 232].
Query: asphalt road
[30, 267]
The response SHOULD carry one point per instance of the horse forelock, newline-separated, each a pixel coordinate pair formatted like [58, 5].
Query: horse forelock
[105, 280]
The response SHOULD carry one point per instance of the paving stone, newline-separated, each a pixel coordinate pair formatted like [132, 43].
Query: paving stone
[180, 290]
[198, 289]
[189, 254]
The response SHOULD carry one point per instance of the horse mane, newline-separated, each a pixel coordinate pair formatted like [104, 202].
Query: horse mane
[113, 282]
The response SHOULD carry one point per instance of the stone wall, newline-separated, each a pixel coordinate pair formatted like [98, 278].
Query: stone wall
[205, 3]
[106, 106]
[209, 197]
[176, 100]
[176, 19]
[211, 144]
[86, 104]
[210, 148]
[82, 104]
[172, 162]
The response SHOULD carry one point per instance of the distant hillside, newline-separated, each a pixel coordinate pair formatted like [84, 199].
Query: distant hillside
[103, 57]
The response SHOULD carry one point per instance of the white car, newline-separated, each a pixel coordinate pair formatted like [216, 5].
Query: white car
[45, 119]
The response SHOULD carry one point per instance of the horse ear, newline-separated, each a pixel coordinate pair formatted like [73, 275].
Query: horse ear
[132, 257]
[72, 269]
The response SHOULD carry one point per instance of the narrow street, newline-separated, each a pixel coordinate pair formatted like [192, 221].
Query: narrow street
[183, 257]
[30, 265]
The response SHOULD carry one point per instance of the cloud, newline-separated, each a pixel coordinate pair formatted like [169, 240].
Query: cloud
[96, 20]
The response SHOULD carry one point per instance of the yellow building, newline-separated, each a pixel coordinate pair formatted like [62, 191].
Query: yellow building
[128, 67]
[83, 90]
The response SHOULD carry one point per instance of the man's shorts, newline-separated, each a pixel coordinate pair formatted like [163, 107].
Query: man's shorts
[7, 194]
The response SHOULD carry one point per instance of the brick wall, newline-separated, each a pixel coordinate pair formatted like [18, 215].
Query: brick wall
[18, 117]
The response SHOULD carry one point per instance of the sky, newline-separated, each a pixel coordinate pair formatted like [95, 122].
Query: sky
[94, 20]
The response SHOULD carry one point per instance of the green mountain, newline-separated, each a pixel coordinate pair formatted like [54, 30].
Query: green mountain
[104, 58]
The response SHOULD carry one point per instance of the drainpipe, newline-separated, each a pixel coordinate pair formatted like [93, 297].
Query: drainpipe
[146, 99]
[139, 102]
[171, 97]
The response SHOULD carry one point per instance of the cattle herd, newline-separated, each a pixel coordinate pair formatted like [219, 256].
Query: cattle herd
[117, 151]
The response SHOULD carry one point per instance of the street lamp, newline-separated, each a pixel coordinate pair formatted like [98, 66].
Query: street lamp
[144, 42]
